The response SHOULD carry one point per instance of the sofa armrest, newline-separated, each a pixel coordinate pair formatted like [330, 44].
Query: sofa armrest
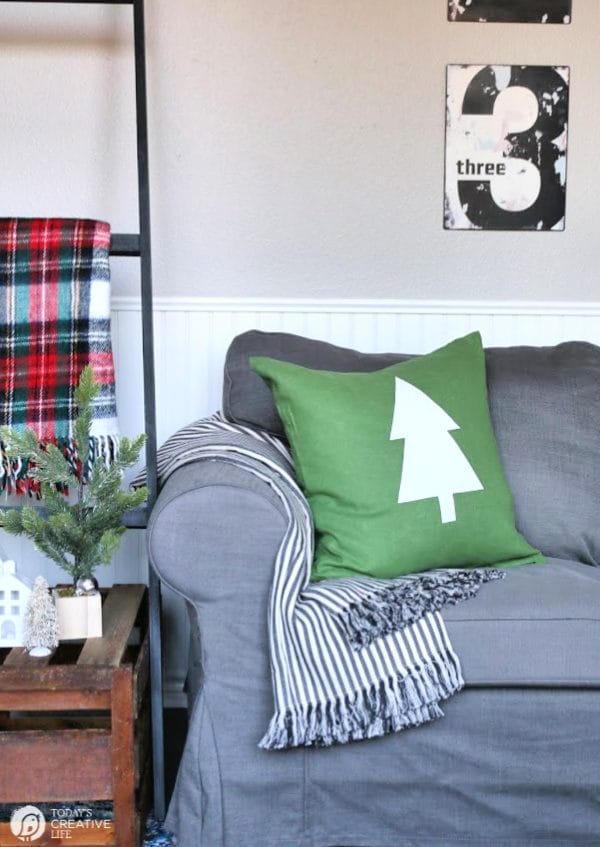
[214, 531]
[213, 537]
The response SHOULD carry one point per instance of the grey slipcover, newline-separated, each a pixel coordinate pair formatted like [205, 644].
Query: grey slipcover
[516, 760]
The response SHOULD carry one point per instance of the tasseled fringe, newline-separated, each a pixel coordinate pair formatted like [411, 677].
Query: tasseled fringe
[391, 706]
[402, 602]
[14, 477]
[102, 448]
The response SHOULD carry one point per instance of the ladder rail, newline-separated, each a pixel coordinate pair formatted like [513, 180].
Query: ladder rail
[130, 244]
[154, 588]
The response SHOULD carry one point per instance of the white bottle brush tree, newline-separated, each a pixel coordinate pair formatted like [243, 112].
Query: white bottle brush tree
[434, 465]
[81, 532]
[40, 625]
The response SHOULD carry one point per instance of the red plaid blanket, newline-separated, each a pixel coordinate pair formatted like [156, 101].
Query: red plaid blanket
[54, 320]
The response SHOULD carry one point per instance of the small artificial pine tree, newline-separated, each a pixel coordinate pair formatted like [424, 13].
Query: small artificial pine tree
[40, 627]
[83, 534]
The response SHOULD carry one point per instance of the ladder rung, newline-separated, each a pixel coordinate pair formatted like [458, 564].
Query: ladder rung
[124, 244]
[133, 519]
[98, 2]
[136, 518]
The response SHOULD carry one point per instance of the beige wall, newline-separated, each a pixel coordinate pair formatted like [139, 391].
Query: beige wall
[296, 145]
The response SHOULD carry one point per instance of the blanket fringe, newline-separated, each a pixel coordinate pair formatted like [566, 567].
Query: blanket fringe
[401, 602]
[393, 705]
[14, 473]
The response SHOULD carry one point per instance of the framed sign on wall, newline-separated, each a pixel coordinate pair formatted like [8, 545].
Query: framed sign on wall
[510, 11]
[506, 147]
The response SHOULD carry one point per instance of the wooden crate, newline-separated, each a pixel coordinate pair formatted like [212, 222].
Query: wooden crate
[74, 727]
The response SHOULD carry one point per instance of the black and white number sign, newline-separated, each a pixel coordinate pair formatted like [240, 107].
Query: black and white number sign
[506, 147]
[511, 11]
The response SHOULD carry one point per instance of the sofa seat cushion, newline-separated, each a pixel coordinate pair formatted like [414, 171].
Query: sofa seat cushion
[538, 626]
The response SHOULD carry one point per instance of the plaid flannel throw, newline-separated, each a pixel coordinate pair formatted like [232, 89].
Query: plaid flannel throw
[54, 320]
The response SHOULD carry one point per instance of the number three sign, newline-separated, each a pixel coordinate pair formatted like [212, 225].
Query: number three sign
[506, 147]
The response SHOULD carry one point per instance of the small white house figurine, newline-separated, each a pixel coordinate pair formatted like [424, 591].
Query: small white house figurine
[14, 594]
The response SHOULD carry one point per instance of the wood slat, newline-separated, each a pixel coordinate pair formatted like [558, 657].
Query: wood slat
[123, 757]
[55, 678]
[119, 612]
[53, 701]
[18, 723]
[19, 657]
[103, 837]
[55, 765]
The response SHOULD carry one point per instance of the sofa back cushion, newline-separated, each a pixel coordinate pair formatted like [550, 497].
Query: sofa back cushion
[246, 397]
[545, 409]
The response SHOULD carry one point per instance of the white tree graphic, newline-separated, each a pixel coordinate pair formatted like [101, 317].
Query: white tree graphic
[434, 465]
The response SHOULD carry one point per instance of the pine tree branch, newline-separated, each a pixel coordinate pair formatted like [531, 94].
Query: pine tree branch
[86, 391]
[86, 533]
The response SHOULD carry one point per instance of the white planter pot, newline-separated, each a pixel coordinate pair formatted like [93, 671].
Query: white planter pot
[79, 617]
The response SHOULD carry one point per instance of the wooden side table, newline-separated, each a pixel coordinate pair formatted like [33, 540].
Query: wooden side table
[74, 728]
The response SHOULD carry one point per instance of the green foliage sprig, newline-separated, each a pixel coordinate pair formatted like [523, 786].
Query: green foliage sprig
[83, 534]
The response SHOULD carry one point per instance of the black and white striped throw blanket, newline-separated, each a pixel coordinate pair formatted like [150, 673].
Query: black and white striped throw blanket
[350, 658]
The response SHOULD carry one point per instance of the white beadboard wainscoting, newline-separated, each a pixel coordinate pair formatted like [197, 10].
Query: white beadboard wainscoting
[192, 336]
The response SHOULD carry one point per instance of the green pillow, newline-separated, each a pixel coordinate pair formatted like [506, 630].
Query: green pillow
[400, 466]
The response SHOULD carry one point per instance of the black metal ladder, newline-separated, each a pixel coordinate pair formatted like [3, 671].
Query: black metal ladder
[139, 245]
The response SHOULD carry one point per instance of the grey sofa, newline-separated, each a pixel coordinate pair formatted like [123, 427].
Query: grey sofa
[515, 762]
